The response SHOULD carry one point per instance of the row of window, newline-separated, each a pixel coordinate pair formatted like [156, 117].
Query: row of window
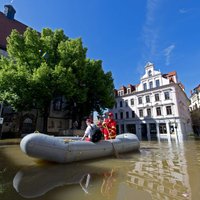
[150, 84]
[121, 92]
[145, 87]
[141, 113]
[144, 99]
[162, 127]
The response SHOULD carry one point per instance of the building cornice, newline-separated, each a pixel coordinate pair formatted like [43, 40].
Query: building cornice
[149, 90]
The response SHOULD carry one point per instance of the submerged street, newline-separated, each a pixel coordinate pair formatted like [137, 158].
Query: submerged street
[158, 171]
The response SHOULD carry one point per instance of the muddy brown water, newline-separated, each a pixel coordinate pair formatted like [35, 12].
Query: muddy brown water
[158, 171]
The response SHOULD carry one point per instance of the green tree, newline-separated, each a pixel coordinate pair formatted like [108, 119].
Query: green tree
[40, 67]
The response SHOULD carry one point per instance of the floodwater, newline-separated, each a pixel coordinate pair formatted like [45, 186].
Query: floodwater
[158, 171]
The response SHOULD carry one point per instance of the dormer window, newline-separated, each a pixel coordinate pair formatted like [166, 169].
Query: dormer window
[9, 12]
[120, 93]
[144, 86]
[149, 73]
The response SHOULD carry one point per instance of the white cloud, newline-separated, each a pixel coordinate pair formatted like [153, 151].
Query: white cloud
[152, 49]
[152, 5]
[150, 30]
[167, 53]
[184, 11]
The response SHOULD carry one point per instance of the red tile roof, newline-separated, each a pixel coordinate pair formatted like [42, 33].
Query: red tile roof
[6, 27]
[172, 73]
[170, 76]
[132, 87]
[197, 88]
[122, 87]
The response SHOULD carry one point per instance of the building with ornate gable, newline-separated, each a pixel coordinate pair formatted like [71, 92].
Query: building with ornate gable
[156, 108]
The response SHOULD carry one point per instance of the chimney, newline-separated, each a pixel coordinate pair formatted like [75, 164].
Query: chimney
[9, 12]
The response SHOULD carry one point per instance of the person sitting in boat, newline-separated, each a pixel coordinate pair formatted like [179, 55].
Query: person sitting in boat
[109, 127]
[99, 125]
[89, 130]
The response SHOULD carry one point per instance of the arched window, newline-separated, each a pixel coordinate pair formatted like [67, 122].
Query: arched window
[28, 121]
[57, 104]
[149, 73]
[27, 126]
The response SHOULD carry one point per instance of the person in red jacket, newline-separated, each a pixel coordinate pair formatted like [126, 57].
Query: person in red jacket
[109, 127]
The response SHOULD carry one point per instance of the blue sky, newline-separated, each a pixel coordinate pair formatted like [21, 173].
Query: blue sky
[126, 34]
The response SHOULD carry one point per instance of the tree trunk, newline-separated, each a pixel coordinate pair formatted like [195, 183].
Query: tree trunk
[36, 119]
[45, 118]
[20, 123]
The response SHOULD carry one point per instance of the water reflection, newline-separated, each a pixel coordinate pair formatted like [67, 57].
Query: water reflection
[163, 174]
[161, 171]
[36, 181]
[157, 172]
[2, 186]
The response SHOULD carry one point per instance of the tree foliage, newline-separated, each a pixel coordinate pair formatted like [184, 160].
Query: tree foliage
[40, 67]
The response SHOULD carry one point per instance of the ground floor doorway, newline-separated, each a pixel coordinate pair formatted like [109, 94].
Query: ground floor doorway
[153, 131]
[131, 128]
[144, 132]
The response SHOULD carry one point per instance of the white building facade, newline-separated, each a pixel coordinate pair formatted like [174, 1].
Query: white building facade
[195, 98]
[195, 109]
[155, 109]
